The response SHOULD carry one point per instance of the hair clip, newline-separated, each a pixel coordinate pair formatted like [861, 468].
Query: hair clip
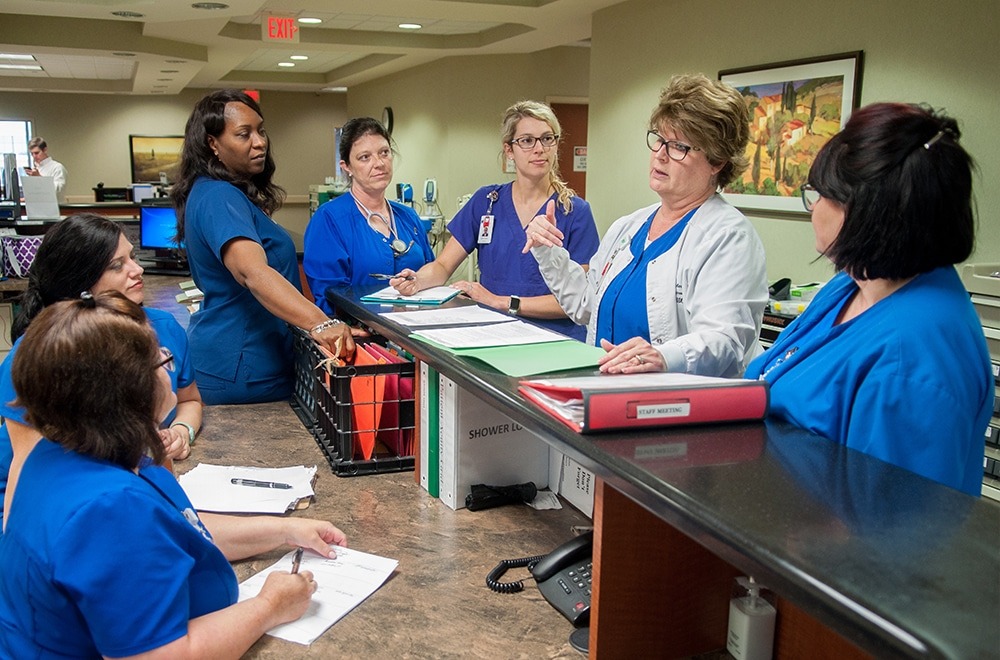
[87, 295]
[937, 136]
[88, 300]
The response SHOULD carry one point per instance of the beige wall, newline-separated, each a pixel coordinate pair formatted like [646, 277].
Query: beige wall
[447, 112]
[88, 133]
[946, 54]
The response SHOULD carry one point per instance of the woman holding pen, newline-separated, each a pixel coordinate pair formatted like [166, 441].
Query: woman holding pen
[361, 237]
[493, 222]
[103, 553]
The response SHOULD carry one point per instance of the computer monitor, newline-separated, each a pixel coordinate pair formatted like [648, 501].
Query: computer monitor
[158, 227]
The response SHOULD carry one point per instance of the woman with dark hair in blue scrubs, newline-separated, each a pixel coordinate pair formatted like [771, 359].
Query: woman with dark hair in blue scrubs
[243, 261]
[889, 358]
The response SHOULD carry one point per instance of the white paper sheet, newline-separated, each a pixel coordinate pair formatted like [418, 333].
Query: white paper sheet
[515, 333]
[465, 315]
[210, 488]
[342, 584]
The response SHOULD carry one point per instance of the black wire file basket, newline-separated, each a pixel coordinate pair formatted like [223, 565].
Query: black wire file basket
[362, 414]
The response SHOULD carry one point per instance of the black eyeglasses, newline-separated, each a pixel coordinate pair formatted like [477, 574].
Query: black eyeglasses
[168, 359]
[527, 142]
[675, 150]
[810, 197]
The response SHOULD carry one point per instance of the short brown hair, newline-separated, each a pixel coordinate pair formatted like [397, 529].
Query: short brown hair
[711, 114]
[86, 374]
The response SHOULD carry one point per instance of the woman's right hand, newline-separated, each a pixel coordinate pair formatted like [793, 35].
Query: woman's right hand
[542, 230]
[288, 594]
[338, 339]
[406, 283]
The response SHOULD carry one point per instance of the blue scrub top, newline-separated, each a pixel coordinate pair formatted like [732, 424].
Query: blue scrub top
[99, 560]
[908, 381]
[233, 337]
[504, 270]
[341, 248]
[171, 337]
[624, 309]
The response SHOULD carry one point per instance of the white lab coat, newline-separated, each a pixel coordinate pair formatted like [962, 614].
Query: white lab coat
[706, 295]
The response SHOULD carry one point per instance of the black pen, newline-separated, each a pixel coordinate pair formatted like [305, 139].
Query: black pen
[260, 484]
[296, 560]
[383, 276]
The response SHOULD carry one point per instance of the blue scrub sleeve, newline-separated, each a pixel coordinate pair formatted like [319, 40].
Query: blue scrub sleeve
[229, 216]
[7, 393]
[111, 575]
[581, 235]
[327, 259]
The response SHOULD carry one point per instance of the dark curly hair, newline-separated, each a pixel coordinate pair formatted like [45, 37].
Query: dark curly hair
[197, 158]
[906, 187]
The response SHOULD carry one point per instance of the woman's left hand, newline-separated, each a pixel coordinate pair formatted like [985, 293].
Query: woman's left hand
[315, 535]
[175, 442]
[630, 357]
[338, 339]
[480, 294]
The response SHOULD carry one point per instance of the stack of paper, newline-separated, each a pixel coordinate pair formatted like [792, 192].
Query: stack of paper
[433, 296]
[231, 489]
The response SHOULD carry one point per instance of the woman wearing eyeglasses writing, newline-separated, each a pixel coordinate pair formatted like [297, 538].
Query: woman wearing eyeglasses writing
[242, 260]
[357, 235]
[493, 223]
[679, 285]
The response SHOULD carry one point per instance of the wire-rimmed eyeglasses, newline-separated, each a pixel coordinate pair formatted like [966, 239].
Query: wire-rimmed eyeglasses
[675, 150]
[527, 142]
[810, 197]
[168, 359]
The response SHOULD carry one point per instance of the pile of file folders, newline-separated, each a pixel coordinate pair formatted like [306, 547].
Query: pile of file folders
[361, 412]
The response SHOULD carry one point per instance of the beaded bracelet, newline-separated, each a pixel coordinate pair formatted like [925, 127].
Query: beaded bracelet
[329, 323]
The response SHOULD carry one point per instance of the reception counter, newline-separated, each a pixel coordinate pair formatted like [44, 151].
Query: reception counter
[866, 558]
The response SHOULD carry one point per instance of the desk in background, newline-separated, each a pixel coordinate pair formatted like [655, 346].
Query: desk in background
[865, 557]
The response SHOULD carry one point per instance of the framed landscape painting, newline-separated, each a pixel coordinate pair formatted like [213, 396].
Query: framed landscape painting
[795, 107]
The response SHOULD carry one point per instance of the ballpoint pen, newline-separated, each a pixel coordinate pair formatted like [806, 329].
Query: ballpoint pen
[260, 484]
[383, 276]
[296, 560]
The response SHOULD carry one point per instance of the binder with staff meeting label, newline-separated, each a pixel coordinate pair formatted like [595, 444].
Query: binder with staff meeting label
[603, 403]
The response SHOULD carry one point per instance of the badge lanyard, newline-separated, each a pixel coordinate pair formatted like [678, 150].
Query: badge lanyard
[486, 222]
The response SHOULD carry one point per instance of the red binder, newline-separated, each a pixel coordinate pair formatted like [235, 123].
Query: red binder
[605, 403]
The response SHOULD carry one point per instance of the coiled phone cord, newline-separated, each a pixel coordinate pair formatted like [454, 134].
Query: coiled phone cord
[493, 579]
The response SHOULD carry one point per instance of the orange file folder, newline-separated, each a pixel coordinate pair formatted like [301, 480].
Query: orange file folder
[367, 397]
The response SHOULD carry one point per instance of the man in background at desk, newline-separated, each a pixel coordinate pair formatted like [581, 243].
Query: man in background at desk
[45, 165]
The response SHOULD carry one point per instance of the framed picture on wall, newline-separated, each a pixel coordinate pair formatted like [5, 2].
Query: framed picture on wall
[153, 155]
[795, 107]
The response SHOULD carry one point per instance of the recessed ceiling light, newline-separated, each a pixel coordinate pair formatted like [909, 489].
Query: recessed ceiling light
[310, 21]
[410, 26]
[127, 14]
[209, 5]
[17, 56]
[286, 64]
[299, 57]
[22, 67]
[334, 89]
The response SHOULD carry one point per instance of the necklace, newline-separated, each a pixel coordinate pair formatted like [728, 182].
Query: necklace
[398, 246]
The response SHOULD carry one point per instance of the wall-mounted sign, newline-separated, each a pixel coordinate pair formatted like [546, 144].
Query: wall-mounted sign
[579, 159]
[279, 28]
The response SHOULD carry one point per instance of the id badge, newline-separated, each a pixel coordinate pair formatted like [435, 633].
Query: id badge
[485, 230]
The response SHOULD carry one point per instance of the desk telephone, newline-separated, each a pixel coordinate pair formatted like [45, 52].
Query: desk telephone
[563, 577]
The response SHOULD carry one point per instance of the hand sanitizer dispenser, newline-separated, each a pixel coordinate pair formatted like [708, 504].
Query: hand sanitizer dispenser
[751, 621]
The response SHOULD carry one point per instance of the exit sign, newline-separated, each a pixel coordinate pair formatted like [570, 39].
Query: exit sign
[280, 28]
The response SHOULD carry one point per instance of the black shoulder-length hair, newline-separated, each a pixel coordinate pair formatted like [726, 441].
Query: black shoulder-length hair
[906, 186]
[71, 259]
[86, 373]
[197, 159]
